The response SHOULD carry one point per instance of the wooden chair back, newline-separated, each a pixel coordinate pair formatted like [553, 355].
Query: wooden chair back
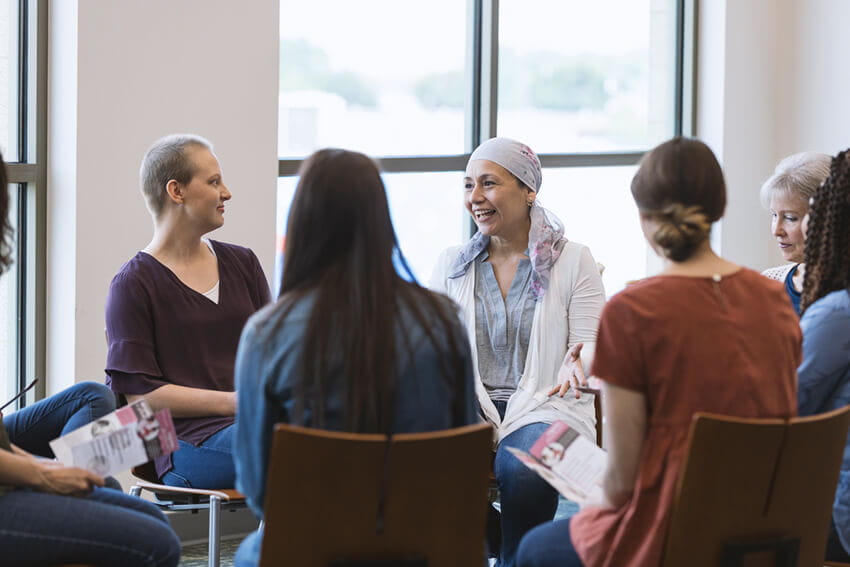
[756, 492]
[343, 499]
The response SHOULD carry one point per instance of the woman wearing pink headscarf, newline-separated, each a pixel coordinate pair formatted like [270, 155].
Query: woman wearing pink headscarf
[531, 301]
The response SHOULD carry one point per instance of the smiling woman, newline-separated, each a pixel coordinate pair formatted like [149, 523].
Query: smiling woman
[786, 194]
[532, 300]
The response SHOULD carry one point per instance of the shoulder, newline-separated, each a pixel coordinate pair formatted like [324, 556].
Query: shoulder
[448, 256]
[137, 272]
[273, 317]
[771, 289]
[575, 260]
[778, 272]
[234, 251]
[833, 305]
[440, 273]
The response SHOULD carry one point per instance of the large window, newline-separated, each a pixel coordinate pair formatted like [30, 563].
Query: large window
[589, 86]
[22, 142]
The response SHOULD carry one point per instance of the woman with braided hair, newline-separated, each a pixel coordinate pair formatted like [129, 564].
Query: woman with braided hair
[669, 346]
[824, 375]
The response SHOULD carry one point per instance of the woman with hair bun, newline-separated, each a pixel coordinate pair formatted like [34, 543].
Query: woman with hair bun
[824, 375]
[704, 335]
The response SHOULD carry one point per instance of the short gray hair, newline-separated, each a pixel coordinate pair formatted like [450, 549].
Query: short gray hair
[797, 175]
[165, 160]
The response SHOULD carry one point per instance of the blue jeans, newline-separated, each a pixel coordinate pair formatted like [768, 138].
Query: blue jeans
[34, 427]
[526, 499]
[210, 465]
[104, 528]
[549, 545]
[834, 549]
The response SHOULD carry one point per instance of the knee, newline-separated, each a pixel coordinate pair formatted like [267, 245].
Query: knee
[168, 546]
[533, 548]
[98, 395]
[511, 474]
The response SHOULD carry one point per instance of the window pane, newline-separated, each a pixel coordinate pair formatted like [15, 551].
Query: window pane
[426, 209]
[595, 204]
[428, 215]
[9, 316]
[9, 79]
[580, 80]
[382, 77]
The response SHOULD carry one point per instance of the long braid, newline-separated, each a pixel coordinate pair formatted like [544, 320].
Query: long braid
[827, 254]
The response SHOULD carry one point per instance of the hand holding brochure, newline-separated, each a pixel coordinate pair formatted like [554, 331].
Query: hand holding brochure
[129, 436]
[570, 462]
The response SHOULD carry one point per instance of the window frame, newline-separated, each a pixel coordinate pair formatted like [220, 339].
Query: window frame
[482, 100]
[27, 177]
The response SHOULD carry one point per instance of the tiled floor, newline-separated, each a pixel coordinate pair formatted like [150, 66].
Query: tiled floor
[195, 555]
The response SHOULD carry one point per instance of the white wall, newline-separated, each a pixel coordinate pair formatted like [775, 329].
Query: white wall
[121, 75]
[771, 82]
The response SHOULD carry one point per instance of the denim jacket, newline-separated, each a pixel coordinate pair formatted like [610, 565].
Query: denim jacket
[824, 381]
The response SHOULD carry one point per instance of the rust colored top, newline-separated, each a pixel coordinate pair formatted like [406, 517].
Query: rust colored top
[687, 344]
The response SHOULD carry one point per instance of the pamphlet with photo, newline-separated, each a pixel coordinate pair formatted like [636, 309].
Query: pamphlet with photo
[570, 462]
[129, 436]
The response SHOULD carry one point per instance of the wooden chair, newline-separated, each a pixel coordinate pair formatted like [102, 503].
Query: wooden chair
[350, 500]
[756, 492]
[177, 499]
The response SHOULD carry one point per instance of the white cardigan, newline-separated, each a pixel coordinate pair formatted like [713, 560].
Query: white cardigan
[568, 314]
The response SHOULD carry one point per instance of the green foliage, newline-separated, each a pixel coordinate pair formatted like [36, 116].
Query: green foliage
[572, 86]
[352, 88]
[304, 66]
[440, 90]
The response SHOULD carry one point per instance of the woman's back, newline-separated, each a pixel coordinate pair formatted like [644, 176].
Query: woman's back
[423, 400]
[268, 369]
[687, 344]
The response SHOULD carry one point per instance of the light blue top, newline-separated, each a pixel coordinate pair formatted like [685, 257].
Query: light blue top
[824, 381]
[502, 327]
[266, 376]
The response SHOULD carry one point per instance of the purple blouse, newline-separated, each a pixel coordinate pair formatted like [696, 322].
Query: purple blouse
[160, 331]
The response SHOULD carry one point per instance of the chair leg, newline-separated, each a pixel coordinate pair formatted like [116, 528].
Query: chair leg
[214, 548]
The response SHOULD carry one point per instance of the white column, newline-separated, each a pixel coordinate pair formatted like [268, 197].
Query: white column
[123, 74]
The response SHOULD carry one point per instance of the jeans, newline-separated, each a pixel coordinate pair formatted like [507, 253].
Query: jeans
[210, 465]
[104, 528]
[526, 499]
[549, 545]
[834, 549]
[34, 427]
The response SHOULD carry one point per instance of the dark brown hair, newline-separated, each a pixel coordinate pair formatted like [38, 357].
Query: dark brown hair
[340, 248]
[680, 185]
[827, 253]
[6, 231]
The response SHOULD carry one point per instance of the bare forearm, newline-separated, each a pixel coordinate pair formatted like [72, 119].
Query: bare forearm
[190, 402]
[17, 469]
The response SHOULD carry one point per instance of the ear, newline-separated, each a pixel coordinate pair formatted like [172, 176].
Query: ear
[175, 191]
[530, 197]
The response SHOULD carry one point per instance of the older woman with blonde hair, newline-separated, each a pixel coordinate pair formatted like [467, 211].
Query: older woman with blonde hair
[786, 195]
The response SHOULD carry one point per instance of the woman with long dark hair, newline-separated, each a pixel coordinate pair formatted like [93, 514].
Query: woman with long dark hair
[824, 376]
[704, 335]
[349, 345]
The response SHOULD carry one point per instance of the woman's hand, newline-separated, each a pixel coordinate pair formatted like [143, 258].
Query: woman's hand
[56, 478]
[571, 373]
